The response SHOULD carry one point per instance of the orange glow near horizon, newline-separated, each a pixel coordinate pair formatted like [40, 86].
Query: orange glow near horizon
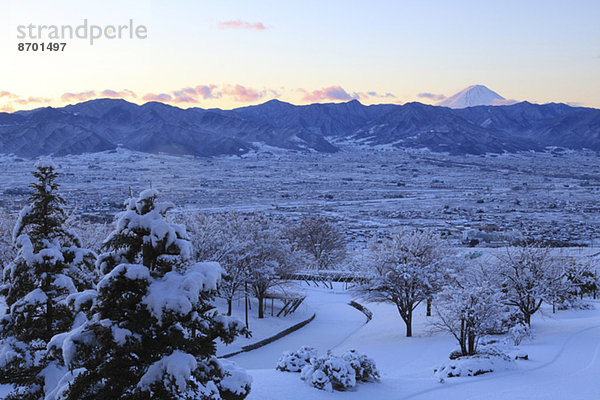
[236, 53]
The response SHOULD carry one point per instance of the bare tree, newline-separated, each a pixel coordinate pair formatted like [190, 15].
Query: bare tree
[468, 307]
[225, 238]
[320, 238]
[405, 271]
[270, 260]
[529, 275]
[251, 248]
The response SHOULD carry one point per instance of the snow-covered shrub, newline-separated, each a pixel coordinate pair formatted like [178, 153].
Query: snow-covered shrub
[473, 365]
[365, 368]
[508, 317]
[339, 373]
[294, 361]
[520, 332]
[454, 354]
[329, 373]
[573, 303]
[235, 382]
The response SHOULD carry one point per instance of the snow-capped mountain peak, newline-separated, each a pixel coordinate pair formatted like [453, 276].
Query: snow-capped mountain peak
[475, 95]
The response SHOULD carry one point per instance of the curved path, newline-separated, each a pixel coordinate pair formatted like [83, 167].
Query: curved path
[334, 322]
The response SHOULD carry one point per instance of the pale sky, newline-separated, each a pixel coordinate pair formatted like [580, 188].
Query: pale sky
[231, 53]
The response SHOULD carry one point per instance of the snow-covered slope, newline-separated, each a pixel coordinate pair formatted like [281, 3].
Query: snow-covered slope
[564, 357]
[475, 95]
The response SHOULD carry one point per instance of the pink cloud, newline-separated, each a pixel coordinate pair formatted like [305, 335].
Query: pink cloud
[239, 24]
[7, 108]
[117, 94]
[244, 94]
[4, 93]
[333, 93]
[81, 96]
[185, 95]
[431, 96]
[192, 95]
[32, 100]
[329, 93]
[381, 95]
[164, 97]
[208, 92]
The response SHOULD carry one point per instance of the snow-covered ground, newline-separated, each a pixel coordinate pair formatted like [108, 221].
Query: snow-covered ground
[564, 357]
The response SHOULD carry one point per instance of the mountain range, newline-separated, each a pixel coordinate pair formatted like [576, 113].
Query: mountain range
[105, 124]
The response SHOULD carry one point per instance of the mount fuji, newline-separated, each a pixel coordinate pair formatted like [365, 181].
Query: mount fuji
[475, 95]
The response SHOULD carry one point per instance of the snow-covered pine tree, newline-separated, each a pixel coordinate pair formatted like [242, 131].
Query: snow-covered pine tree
[50, 266]
[152, 327]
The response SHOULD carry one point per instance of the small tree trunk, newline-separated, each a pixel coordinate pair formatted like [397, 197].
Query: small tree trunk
[428, 307]
[229, 306]
[261, 311]
[49, 308]
[246, 303]
[463, 338]
[471, 338]
[408, 322]
[49, 318]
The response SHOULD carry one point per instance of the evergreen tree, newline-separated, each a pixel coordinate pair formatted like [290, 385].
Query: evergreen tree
[49, 267]
[152, 327]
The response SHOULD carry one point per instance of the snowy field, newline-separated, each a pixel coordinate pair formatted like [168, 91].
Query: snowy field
[564, 356]
[363, 189]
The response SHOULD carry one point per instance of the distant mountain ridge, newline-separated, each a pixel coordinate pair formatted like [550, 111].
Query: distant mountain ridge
[105, 124]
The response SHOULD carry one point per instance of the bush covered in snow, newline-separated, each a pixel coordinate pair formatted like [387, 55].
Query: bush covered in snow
[329, 372]
[520, 332]
[574, 303]
[364, 367]
[294, 361]
[473, 365]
